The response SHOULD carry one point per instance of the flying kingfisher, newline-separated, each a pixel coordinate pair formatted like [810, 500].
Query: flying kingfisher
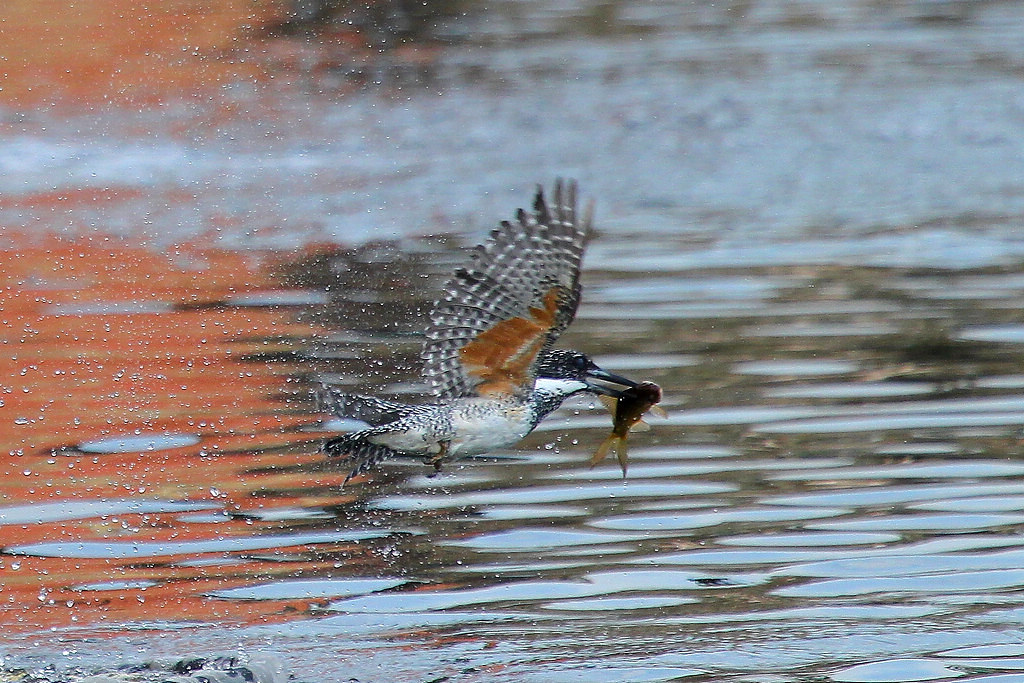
[488, 356]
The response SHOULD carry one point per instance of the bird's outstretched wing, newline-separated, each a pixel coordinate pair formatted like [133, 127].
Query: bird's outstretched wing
[518, 293]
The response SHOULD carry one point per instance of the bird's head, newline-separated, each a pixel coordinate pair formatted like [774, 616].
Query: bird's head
[566, 364]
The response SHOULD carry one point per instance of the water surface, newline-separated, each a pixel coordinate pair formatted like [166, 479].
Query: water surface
[809, 236]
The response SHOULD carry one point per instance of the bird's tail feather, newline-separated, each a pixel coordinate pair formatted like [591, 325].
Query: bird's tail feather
[361, 454]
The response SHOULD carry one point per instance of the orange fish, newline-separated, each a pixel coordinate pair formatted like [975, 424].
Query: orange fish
[627, 412]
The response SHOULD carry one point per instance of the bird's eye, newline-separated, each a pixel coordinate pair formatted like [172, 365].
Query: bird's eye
[581, 362]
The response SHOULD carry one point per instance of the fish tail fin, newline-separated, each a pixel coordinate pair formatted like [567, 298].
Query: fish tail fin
[618, 443]
[606, 446]
[622, 453]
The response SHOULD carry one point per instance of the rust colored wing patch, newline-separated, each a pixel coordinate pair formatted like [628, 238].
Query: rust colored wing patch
[501, 357]
[523, 281]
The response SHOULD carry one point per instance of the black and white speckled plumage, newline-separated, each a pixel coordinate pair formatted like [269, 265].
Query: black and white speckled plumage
[424, 430]
[536, 256]
[552, 364]
[369, 409]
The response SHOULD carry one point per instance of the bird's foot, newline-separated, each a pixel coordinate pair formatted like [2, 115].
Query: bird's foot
[437, 460]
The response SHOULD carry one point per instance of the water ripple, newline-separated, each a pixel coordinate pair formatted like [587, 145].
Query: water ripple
[530, 540]
[138, 443]
[551, 494]
[896, 671]
[944, 583]
[300, 590]
[83, 509]
[696, 520]
[152, 549]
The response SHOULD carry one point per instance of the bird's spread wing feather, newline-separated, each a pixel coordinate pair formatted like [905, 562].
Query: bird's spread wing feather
[516, 296]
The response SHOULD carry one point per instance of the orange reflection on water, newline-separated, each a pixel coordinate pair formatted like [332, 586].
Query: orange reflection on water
[119, 50]
[102, 340]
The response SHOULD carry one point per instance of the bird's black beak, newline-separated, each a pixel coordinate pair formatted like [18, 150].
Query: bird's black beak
[605, 376]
